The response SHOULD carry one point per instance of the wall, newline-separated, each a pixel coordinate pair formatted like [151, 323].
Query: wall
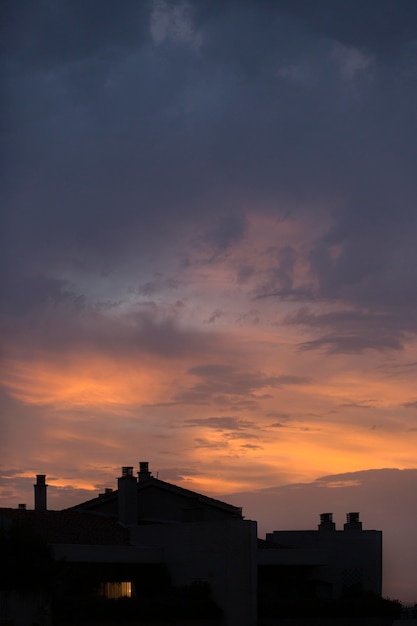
[220, 553]
[346, 557]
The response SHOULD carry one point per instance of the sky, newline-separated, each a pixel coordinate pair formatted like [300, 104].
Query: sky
[208, 253]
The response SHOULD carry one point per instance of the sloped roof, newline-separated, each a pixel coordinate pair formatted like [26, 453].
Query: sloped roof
[152, 483]
[68, 526]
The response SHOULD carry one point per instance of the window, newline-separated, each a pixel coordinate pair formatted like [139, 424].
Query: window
[115, 590]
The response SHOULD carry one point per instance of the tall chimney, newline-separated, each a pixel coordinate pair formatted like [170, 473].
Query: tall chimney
[127, 501]
[144, 473]
[40, 492]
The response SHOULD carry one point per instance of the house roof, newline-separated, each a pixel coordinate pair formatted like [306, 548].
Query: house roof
[67, 526]
[155, 483]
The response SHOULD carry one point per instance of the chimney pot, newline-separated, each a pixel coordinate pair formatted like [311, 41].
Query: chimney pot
[40, 492]
[326, 522]
[144, 473]
[352, 521]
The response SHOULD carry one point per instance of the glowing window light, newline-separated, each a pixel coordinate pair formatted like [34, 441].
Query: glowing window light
[115, 590]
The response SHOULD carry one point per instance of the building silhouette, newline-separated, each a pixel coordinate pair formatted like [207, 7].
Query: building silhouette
[325, 564]
[155, 543]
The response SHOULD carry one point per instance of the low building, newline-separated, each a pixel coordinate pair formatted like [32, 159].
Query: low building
[325, 563]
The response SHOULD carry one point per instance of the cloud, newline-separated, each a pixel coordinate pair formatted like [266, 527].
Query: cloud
[251, 446]
[173, 23]
[189, 122]
[214, 316]
[26, 292]
[200, 442]
[227, 230]
[227, 385]
[350, 331]
[357, 405]
[151, 330]
[280, 278]
[221, 423]
[411, 405]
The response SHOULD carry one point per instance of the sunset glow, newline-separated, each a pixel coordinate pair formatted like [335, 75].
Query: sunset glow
[208, 255]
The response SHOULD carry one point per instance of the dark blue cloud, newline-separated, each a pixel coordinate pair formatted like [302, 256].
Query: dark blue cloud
[118, 140]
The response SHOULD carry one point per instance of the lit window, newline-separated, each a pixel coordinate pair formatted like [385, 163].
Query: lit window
[116, 590]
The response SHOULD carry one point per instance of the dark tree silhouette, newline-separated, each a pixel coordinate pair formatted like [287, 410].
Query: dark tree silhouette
[27, 561]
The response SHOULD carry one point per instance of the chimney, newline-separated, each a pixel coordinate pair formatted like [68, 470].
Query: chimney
[22, 507]
[326, 522]
[352, 522]
[127, 497]
[144, 473]
[40, 492]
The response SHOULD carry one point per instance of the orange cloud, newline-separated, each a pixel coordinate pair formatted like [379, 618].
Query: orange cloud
[90, 380]
[261, 411]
